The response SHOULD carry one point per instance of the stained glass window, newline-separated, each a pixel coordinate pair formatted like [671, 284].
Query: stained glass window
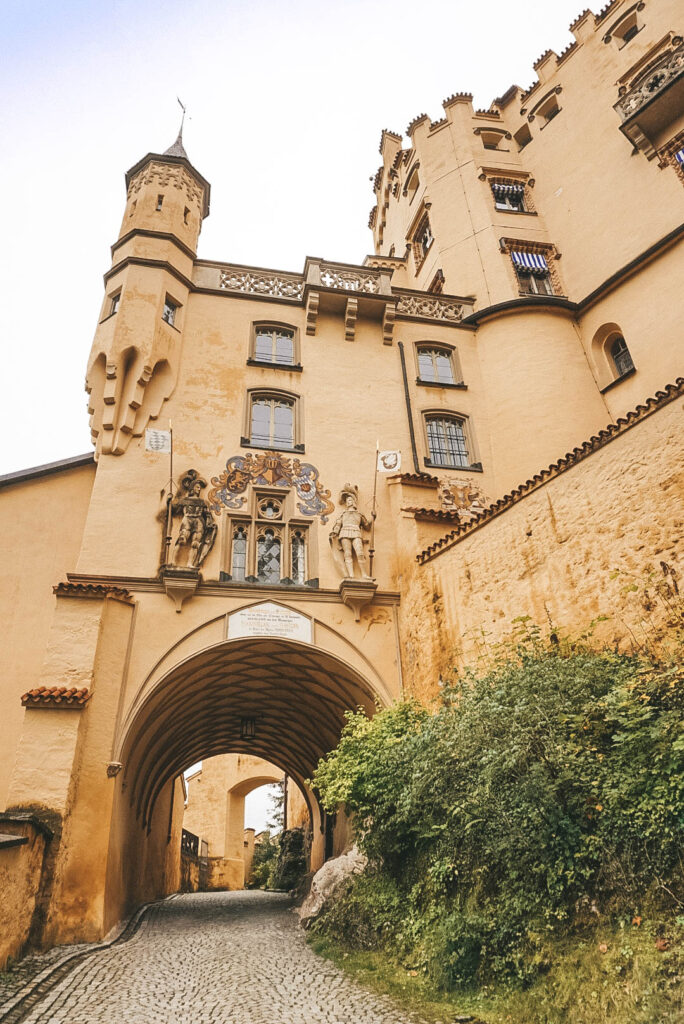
[268, 557]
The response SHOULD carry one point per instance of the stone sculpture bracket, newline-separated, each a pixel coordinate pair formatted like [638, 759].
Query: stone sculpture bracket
[356, 594]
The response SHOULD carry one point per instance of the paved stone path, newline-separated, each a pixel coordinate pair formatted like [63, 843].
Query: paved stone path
[214, 958]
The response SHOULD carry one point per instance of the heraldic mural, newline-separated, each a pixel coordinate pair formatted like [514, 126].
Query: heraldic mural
[272, 470]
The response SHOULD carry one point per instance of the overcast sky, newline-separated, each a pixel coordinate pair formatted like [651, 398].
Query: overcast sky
[286, 105]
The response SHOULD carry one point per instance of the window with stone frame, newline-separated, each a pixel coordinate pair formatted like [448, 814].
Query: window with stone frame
[422, 240]
[534, 265]
[170, 311]
[272, 420]
[437, 364]
[274, 344]
[447, 441]
[270, 545]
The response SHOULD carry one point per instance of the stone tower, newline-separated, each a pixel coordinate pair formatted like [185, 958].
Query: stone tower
[133, 364]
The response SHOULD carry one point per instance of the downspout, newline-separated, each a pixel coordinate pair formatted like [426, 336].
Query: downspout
[409, 414]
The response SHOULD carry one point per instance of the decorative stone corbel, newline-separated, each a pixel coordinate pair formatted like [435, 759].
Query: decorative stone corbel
[388, 322]
[312, 312]
[180, 583]
[113, 769]
[356, 594]
[351, 313]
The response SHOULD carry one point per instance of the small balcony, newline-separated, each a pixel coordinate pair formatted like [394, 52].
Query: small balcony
[654, 101]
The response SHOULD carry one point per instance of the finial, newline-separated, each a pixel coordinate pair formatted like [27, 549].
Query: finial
[178, 149]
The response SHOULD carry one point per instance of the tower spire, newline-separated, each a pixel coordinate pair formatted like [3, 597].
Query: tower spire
[178, 149]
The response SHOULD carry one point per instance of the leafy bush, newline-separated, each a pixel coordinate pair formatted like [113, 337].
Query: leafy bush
[548, 788]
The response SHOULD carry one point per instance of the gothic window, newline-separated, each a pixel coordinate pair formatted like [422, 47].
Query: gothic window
[239, 553]
[447, 442]
[298, 556]
[274, 344]
[268, 556]
[621, 357]
[268, 543]
[272, 422]
[435, 365]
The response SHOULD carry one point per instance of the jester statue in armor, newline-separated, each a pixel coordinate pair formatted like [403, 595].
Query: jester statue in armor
[347, 532]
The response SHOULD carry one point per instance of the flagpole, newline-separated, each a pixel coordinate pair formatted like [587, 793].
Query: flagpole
[169, 499]
[371, 549]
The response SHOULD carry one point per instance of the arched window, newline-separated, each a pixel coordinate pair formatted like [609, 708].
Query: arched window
[239, 553]
[447, 442]
[275, 344]
[298, 556]
[611, 356]
[436, 365]
[621, 357]
[269, 556]
[272, 421]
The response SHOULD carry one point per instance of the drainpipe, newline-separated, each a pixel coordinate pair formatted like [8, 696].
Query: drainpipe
[409, 414]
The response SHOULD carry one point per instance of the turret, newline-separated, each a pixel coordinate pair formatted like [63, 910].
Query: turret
[135, 356]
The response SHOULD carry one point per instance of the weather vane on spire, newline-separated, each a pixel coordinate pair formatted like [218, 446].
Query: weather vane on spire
[182, 106]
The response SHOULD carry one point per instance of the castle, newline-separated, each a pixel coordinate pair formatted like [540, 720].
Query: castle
[375, 467]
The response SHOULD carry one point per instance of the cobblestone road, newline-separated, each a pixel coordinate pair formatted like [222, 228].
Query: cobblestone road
[203, 958]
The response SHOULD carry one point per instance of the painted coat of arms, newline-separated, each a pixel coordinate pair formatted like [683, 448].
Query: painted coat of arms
[272, 470]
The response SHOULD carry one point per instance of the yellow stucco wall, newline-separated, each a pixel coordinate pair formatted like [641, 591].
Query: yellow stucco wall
[42, 522]
[552, 554]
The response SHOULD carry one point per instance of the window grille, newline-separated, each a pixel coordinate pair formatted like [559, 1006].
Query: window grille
[268, 557]
[447, 441]
[239, 559]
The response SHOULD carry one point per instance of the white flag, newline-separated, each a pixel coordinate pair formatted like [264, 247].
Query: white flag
[158, 441]
[389, 462]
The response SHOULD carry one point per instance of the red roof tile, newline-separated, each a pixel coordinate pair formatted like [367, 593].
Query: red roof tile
[56, 697]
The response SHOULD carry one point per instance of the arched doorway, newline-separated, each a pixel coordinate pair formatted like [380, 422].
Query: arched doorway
[280, 700]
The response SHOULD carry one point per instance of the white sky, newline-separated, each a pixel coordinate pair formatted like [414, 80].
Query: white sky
[287, 101]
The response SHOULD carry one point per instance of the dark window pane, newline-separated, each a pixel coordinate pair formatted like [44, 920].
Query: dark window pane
[621, 356]
[446, 442]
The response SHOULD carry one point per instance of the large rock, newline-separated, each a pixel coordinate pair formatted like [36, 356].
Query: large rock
[327, 880]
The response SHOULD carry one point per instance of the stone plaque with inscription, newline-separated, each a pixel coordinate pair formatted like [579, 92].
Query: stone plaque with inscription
[269, 619]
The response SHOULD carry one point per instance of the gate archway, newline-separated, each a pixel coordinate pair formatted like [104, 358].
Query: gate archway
[281, 700]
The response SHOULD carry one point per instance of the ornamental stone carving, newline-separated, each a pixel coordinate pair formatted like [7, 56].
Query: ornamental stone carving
[279, 286]
[429, 308]
[349, 280]
[657, 80]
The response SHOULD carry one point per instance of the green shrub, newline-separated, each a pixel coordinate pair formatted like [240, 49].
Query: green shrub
[551, 785]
